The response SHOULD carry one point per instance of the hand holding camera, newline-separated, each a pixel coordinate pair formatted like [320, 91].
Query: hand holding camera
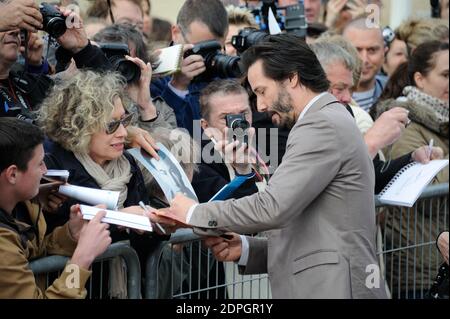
[20, 14]
[192, 66]
[139, 90]
[235, 149]
[72, 35]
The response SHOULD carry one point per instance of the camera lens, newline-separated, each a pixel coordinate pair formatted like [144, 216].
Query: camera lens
[226, 66]
[56, 27]
[54, 22]
[129, 70]
[239, 124]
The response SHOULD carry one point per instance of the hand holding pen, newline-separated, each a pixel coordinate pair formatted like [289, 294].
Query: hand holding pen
[145, 208]
[425, 154]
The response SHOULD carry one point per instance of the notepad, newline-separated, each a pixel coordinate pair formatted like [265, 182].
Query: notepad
[407, 185]
[118, 218]
[169, 60]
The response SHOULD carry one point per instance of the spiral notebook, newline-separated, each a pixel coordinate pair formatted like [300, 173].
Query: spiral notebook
[169, 61]
[407, 185]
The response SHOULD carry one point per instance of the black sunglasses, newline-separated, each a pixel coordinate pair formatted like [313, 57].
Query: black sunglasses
[112, 126]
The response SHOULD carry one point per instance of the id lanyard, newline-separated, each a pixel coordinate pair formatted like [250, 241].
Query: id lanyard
[16, 103]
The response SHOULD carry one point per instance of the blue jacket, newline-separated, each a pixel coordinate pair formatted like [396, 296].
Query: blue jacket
[186, 110]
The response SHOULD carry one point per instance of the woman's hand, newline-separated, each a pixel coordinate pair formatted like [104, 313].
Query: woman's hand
[140, 91]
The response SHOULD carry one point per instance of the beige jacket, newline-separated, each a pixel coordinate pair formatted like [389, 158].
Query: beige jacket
[17, 279]
[319, 206]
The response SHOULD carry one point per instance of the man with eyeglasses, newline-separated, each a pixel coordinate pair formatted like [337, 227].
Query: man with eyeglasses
[197, 21]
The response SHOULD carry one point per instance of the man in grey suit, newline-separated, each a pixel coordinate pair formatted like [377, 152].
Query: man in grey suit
[319, 203]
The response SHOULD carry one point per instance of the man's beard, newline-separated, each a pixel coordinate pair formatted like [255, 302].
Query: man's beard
[284, 109]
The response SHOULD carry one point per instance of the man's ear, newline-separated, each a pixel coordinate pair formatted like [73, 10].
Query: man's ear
[204, 124]
[11, 174]
[293, 81]
[176, 34]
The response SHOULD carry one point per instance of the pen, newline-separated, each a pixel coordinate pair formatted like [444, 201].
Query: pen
[144, 207]
[430, 148]
[213, 140]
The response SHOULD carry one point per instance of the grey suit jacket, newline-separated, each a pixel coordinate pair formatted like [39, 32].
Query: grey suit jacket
[320, 206]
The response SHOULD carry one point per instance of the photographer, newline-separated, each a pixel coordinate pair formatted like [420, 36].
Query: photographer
[197, 21]
[154, 112]
[21, 91]
[220, 100]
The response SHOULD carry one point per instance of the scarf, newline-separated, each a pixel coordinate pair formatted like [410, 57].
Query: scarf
[428, 102]
[114, 176]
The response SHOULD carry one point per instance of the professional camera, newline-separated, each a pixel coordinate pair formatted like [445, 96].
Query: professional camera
[115, 52]
[217, 64]
[239, 127]
[246, 38]
[290, 18]
[54, 22]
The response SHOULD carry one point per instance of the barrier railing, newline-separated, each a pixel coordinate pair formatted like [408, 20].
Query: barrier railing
[191, 272]
[406, 242]
[52, 264]
[183, 268]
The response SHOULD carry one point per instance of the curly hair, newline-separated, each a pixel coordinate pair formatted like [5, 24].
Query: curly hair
[79, 107]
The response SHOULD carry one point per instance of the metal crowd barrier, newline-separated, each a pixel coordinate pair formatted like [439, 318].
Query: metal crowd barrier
[191, 272]
[52, 265]
[406, 247]
[182, 268]
[406, 241]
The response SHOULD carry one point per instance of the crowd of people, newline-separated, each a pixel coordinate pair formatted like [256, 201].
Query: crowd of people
[330, 118]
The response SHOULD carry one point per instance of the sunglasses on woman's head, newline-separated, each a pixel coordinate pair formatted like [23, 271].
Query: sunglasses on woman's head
[113, 126]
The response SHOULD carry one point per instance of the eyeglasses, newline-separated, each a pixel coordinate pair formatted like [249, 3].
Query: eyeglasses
[113, 126]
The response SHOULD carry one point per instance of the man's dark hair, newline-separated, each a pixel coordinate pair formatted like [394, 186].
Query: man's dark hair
[285, 55]
[18, 139]
[219, 86]
[124, 33]
[212, 13]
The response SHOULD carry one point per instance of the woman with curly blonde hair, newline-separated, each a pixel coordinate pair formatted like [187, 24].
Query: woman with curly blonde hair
[85, 119]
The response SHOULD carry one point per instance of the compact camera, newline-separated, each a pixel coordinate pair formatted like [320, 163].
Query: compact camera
[54, 22]
[239, 127]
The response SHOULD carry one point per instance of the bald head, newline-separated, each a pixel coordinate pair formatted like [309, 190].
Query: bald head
[360, 25]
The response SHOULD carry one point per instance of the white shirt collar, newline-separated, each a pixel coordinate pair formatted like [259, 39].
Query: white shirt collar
[308, 106]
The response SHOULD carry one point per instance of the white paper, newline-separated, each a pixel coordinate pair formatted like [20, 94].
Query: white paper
[167, 172]
[58, 174]
[274, 28]
[91, 196]
[118, 218]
